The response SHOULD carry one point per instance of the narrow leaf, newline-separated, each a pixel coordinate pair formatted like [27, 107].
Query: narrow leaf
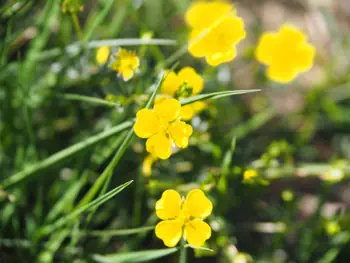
[64, 154]
[139, 256]
[119, 232]
[215, 95]
[67, 199]
[129, 42]
[88, 99]
[92, 205]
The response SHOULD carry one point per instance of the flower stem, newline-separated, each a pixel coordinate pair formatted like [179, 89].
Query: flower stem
[77, 25]
[183, 255]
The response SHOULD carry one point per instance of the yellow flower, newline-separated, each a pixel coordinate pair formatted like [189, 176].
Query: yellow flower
[332, 227]
[183, 218]
[216, 30]
[286, 53]
[190, 110]
[126, 63]
[162, 126]
[102, 55]
[186, 77]
[147, 165]
[333, 175]
[171, 84]
[184, 84]
[249, 174]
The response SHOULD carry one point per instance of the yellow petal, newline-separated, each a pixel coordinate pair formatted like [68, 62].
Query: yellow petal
[167, 109]
[187, 112]
[217, 43]
[305, 58]
[170, 232]
[199, 106]
[266, 48]
[221, 57]
[169, 205]
[159, 145]
[194, 80]
[146, 123]
[102, 55]
[197, 205]
[126, 63]
[147, 165]
[232, 28]
[134, 62]
[199, 43]
[127, 74]
[289, 34]
[171, 84]
[180, 132]
[203, 14]
[197, 232]
[281, 74]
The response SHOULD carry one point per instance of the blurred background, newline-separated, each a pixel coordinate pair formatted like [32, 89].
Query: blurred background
[274, 163]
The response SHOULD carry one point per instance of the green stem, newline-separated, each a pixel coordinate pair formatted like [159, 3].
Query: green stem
[138, 199]
[77, 25]
[183, 254]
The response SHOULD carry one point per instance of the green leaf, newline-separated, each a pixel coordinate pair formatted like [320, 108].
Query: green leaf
[119, 232]
[88, 99]
[226, 163]
[67, 199]
[139, 256]
[98, 20]
[63, 155]
[51, 247]
[215, 95]
[78, 211]
[199, 248]
[130, 42]
[252, 124]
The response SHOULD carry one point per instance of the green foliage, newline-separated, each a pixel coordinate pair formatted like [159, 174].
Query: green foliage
[67, 144]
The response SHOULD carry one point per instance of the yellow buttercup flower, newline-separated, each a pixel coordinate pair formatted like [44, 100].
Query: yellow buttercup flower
[332, 227]
[102, 55]
[286, 53]
[183, 218]
[185, 83]
[249, 174]
[147, 165]
[126, 63]
[162, 127]
[186, 78]
[216, 30]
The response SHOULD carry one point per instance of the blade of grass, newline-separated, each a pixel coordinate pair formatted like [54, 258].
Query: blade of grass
[105, 177]
[62, 155]
[51, 247]
[88, 99]
[78, 211]
[118, 232]
[74, 48]
[67, 199]
[130, 42]
[138, 256]
[98, 20]
[215, 95]
[252, 124]
[226, 163]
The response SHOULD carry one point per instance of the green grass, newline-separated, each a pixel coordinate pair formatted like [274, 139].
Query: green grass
[71, 182]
